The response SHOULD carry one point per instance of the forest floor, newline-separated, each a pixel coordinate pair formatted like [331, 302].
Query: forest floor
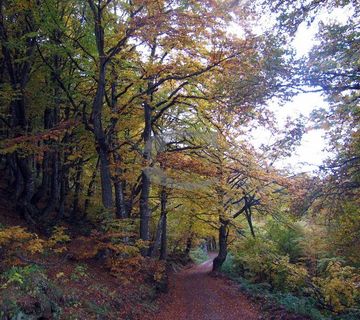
[86, 290]
[196, 294]
[58, 288]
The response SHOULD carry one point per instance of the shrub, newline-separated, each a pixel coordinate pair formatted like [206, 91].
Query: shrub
[349, 315]
[229, 265]
[20, 276]
[253, 259]
[345, 232]
[259, 261]
[305, 306]
[79, 272]
[14, 240]
[198, 255]
[338, 287]
[287, 239]
[27, 293]
[57, 240]
[288, 276]
[17, 241]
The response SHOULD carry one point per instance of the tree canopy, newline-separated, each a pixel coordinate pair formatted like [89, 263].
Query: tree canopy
[129, 124]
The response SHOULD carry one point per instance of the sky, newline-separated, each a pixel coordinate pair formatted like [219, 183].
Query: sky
[311, 153]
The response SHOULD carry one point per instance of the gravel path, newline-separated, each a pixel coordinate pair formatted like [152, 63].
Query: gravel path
[196, 295]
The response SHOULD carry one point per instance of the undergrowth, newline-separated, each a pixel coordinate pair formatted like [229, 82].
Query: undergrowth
[266, 275]
[198, 255]
[59, 277]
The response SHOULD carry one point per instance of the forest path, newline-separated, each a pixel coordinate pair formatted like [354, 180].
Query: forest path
[197, 295]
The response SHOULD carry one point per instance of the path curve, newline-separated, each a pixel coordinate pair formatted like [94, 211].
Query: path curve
[197, 295]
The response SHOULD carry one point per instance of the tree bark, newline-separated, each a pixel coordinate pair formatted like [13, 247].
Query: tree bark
[163, 244]
[145, 176]
[90, 190]
[120, 205]
[223, 246]
[153, 250]
[188, 245]
[75, 206]
[248, 215]
[121, 212]
[100, 137]
[97, 108]
[161, 235]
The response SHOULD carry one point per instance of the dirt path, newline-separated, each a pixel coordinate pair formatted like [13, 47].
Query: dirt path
[196, 295]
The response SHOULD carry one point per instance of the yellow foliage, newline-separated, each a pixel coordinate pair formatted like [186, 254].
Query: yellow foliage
[16, 239]
[286, 275]
[141, 244]
[60, 275]
[57, 238]
[110, 242]
[35, 245]
[339, 286]
[297, 276]
[127, 267]
[259, 260]
[122, 248]
[159, 273]
[11, 233]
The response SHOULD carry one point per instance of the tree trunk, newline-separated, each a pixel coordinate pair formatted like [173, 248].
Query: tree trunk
[18, 69]
[160, 238]
[188, 245]
[145, 212]
[153, 250]
[97, 108]
[223, 235]
[28, 210]
[63, 180]
[75, 207]
[54, 198]
[100, 137]
[144, 207]
[120, 200]
[15, 177]
[145, 177]
[248, 215]
[114, 141]
[90, 190]
[163, 244]
[63, 191]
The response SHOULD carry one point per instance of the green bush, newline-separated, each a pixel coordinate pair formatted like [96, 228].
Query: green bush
[305, 306]
[228, 266]
[287, 239]
[21, 276]
[79, 272]
[198, 255]
[29, 294]
[259, 261]
[339, 286]
[349, 315]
